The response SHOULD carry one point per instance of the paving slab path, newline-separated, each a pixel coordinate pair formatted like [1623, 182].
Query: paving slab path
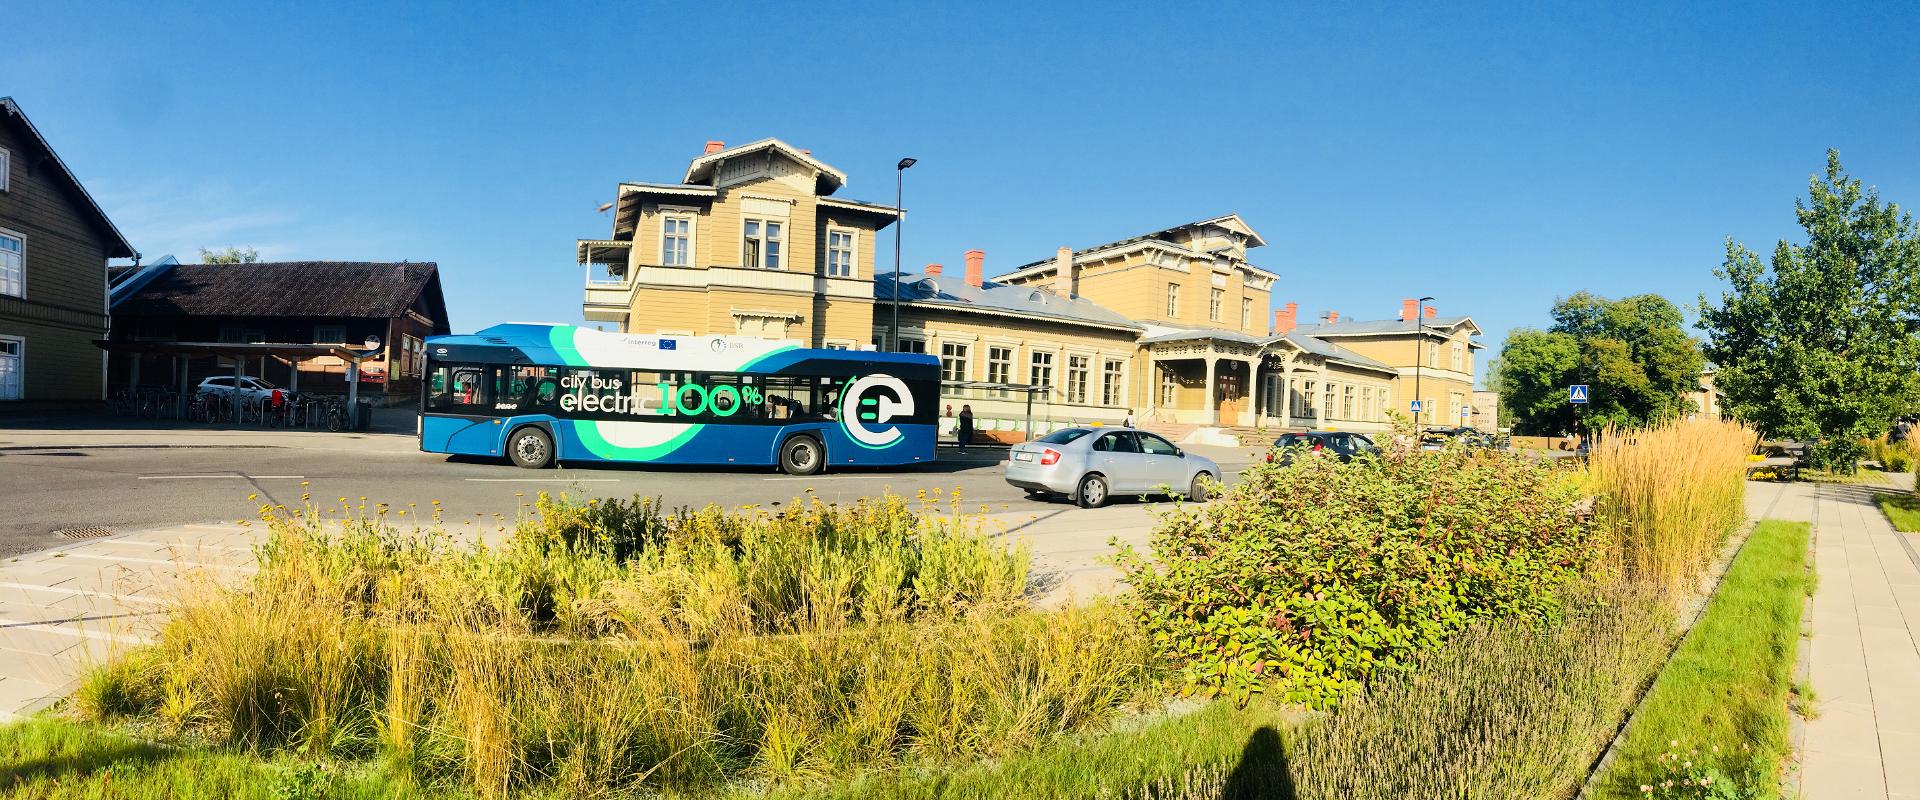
[1863, 657]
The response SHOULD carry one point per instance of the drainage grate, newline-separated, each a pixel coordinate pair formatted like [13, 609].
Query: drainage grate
[90, 532]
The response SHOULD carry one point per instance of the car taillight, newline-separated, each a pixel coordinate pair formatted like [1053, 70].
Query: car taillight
[1049, 457]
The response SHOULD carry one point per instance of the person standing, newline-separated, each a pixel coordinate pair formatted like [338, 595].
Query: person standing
[1129, 421]
[965, 428]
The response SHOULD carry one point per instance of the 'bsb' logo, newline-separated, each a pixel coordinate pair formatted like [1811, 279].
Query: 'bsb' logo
[867, 406]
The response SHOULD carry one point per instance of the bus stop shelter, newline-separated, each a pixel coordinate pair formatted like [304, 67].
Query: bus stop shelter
[293, 352]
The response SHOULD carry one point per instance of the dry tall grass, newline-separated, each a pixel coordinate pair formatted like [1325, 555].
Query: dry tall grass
[621, 646]
[1669, 495]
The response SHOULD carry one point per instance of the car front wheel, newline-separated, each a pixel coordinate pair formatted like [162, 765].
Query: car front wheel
[1197, 491]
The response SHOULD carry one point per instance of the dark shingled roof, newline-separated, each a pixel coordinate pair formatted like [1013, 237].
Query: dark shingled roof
[291, 289]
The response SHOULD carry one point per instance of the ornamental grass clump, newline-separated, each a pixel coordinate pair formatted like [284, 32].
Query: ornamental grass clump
[624, 646]
[1308, 579]
[1670, 494]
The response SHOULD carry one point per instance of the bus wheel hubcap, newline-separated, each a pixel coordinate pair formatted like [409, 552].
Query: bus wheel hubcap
[803, 456]
[531, 448]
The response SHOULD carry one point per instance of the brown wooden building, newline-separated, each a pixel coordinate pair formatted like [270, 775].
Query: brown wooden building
[54, 246]
[172, 307]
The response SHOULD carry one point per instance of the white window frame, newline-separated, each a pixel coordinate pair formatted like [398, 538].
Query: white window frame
[1119, 387]
[1216, 303]
[692, 217]
[852, 251]
[1169, 388]
[6, 169]
[1077, 392]
[1033, 370]
[964, 356]
[21, 373]
[1246, 313]
[837, 344]
[1006, 375]
[22, 238]
[1457, 356]
[1173, 301]
[763, 239]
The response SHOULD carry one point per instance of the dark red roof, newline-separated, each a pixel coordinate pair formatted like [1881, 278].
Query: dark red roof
[375, 290]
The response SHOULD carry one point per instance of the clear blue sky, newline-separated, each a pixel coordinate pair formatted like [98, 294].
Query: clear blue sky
[1494, 158]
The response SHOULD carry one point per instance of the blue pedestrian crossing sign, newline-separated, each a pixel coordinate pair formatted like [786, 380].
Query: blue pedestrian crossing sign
[1416, 406]
[1577, 393]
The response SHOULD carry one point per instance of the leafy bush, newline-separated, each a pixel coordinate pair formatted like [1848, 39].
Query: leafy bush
[1307, 579]
[1840, 454]
[619, 645]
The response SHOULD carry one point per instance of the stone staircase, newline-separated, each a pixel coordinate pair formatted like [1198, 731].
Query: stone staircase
[1172, 431]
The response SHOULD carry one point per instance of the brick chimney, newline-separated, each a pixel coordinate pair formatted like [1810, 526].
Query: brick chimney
[1430, 312]
[976, 268]
[1285, 319]
[1063, 272]
[1333, 317]
[934, 269]
[1408, 308]
[714, 146]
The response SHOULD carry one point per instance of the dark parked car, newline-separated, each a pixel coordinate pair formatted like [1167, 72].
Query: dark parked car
[1340, 444]
[1436, 438]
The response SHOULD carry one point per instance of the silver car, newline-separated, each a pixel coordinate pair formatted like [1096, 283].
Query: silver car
[1091, 465]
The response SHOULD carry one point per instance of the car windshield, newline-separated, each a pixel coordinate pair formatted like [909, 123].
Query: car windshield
[1064, 435]
[262, 383]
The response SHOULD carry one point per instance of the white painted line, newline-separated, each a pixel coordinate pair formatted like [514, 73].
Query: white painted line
[544, 480]
[62, 627]
[829, 477]
[133, 598]
[162, 562]
[220, 477]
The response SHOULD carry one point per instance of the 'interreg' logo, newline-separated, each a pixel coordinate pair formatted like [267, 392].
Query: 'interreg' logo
[868, 404]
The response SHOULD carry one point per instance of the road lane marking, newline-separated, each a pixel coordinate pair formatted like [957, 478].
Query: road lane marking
[34, 587]
[544, 480]
[220, 477]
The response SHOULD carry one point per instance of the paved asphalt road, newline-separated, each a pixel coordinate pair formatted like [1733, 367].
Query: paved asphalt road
[50, 480]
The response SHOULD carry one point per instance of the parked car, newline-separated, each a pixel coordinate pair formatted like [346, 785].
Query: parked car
[251, 388]
[1437, 438]
[1091, 465]
[1340, 444]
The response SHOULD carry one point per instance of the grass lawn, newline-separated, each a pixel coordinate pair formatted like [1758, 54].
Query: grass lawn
[1727, 686]
[1864, 476]
[1903, 510]
[49, 757]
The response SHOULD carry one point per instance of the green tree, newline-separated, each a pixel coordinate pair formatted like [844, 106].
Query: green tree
[1823, 344]
[229, 255]
[1634, 354]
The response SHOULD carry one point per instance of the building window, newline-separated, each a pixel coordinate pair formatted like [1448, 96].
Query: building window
[840, 253]
[1214, 300]
[760, 244]
[837, 346]
[1173, 301]
[234, 334]
[1077, 367]
[13, 265]
[412, 352]
[1112, 382]
[1000, 368]
[953, 362]
[1366, 403]
[6, 166]
[1246, 313]
[13, 367]
[1458, 357]
[1455, 402]
[1169, 388]
[1307, 404]
[913, 345]
[1433, 356]
[329, 334]
[1327, 402]
[1346, 402]
[1040, 371]
[676, 240]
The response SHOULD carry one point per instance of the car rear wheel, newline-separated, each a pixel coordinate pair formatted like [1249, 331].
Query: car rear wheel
[1092, 492]
[802, 455]
[530, 447]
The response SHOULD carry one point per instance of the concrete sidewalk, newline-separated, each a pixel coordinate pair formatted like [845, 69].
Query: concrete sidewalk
[1864, 656]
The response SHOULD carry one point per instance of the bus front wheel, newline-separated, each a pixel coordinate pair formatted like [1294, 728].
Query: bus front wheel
[530, 447]
[802, 455]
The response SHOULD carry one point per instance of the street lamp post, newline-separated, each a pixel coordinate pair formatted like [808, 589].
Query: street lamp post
[899, 221]
[1419, 355]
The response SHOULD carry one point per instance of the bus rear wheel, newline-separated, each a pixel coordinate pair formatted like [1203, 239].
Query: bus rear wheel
[802, 455]
[530, 447]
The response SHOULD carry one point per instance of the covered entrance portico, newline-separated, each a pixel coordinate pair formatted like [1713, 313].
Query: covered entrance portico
[1202, 378]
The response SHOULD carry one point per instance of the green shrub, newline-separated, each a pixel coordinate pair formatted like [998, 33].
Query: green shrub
[1306, 580]
[1839, 454]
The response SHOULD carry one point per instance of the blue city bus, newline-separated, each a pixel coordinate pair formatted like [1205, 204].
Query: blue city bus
[540, 394]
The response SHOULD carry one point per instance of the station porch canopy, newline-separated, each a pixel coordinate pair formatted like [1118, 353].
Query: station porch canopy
[239, 351]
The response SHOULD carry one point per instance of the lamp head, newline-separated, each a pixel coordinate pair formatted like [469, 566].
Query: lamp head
[906, 162]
